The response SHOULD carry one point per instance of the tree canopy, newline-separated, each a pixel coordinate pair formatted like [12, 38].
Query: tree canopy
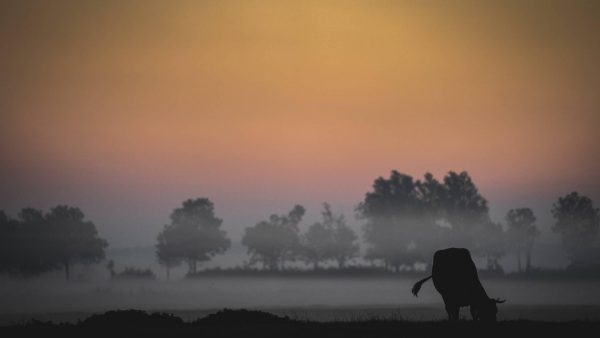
[522, 233]
[194, 235]
[407, 219]
[330, 239]
[578, 222]
[275, 241]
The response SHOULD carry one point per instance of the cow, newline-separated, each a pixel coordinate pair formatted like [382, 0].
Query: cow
[455, 278]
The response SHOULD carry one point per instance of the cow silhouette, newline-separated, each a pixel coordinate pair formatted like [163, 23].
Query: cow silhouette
[455, 278]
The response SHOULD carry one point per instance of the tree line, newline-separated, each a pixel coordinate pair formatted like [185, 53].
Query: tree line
[404, 220]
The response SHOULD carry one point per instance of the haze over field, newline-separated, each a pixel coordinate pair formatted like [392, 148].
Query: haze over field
[126, 109]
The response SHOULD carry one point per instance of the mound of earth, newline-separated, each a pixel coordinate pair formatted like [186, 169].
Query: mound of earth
[237, 317]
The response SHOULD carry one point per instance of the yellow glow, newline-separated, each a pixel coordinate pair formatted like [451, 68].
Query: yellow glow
[326, 93]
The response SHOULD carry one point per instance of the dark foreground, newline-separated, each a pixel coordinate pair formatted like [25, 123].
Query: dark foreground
[244, 323]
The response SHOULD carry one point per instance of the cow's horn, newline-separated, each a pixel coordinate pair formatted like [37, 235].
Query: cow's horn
[497, 300]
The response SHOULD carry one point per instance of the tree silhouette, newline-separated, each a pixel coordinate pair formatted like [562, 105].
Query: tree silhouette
[464, 208]
[330, 239]
[521, 234]
[110, 266]
[490, 243]
[75, 240]
[345, 242]
[275, 241]
[398, 218]
[36, 242]
[318, 242]
[8, 243]
[167, 250]
[33, 244]
[194, 235]
[432, 195]
[406, 220]
[577, 221]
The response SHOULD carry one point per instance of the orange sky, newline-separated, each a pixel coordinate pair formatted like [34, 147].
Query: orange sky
[122, 107]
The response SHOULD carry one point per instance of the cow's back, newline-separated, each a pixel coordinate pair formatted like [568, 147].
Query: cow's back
[455, 275]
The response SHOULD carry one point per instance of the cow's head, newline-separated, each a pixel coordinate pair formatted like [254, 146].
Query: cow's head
[488, 309]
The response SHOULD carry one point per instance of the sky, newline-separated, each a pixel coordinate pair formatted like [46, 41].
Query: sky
[126, 109]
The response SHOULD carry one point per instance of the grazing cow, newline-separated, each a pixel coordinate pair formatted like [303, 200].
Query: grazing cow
[455, 278]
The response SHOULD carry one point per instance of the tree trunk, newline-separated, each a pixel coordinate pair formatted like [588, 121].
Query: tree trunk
[168, 272]
[192, 267]
[315, 265]
[341, 263]
[528, 261]
[519, 260]
[67, 270]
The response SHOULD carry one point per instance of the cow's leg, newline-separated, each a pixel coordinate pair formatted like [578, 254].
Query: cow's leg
[452, 312]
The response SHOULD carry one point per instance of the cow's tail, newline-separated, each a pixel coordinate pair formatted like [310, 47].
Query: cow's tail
[417, 287]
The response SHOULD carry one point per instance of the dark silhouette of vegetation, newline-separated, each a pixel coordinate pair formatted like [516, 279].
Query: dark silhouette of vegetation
[577, 221]
[522, 233]
[36, 242]
[132, 319]
[194, 235]
[330, 239]
[275, 241]
[167, 252]
[244, 323]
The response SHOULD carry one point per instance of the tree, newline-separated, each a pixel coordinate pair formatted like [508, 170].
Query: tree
[345, 242]
[577, 221]
[110, 266]
[432, 195]
[32, 244]
[275, 241]
[75, 240]
[490, 243]
[21, 244]
[407, 220]
[194, 235]
[522, 233]
[330, 239]
[318, 244]
[397, 217]
[8, 229]
[464, 207]
[167, 252]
